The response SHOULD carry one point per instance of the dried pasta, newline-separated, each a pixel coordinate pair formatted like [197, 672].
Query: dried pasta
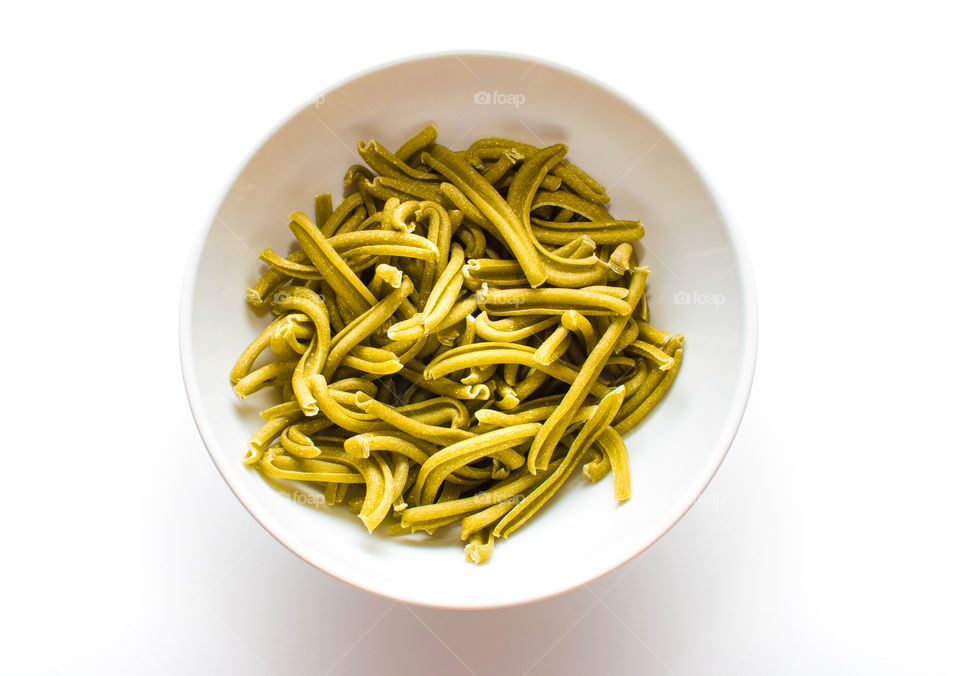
[454, 339]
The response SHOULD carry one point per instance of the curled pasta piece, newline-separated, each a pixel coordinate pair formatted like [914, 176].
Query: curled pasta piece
[578, 323]
[296, 439]
[512, 329]
[244, 363]
[597, 466]
[592, 428]
[586, 301]
[441, 464]
[293, 338]
[372, 360]
[439, 233]
[385, 274]
[437, 305]
[266, 435]
[411, 426]
[479, 547]
[386, 163]
[336, 411]
[613, 232]
[444, 386]
[307, 367]
[292, 266]
[479, 354]
[350, 205]
[417, 143]
[653, 353]
[270, 375]
[416, 450]
[575, 204]
[282, 466]
[494, 208]
[643, 401]
[542, 448]
[554, 346]
[394, 479]
[627, 336]
[616, 452]
[322, 207]
[337, 273]
[364, 325]
[577, 179]
[653, 335]
[504, 492]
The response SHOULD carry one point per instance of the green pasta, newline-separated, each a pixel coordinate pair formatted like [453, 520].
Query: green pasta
[453, 340]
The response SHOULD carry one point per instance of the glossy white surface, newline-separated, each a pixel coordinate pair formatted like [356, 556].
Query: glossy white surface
[700, 285]
[824, 545]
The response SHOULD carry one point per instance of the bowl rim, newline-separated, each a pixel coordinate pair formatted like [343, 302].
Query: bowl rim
[683, 503]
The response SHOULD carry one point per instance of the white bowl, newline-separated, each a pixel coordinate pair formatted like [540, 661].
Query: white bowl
[700, 285]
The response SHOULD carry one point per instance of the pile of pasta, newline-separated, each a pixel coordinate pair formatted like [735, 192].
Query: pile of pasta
[455, 340]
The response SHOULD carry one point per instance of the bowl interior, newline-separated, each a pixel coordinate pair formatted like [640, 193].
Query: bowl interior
[698, 286]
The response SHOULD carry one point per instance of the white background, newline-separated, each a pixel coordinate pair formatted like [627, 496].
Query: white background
[828, 541]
